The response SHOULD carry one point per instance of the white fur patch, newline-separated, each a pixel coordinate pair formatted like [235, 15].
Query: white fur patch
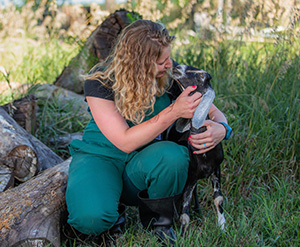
[221, 221]
[221, 218]
[184, 219]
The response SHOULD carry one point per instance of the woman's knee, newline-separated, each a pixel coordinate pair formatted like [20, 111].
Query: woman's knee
[161, 167]
[93, 220]
[175, 154]
[172, 157]
[169, 176]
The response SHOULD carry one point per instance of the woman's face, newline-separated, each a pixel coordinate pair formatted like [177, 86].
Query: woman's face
[164, 62]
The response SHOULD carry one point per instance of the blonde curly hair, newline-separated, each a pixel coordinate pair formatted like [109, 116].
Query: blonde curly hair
[132, 68]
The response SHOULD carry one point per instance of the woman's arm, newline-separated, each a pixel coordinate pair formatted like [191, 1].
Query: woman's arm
[115, 128]
[214, 134]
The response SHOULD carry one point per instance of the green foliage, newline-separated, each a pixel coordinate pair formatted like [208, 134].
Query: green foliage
[133, 16]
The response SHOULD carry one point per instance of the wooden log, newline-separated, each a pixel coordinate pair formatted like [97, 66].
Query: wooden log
[96, 48]
[31, 213]
[24, 161]
[17, 150]
[21, 147]
[63, 141]
[23, 111]
[6, 175]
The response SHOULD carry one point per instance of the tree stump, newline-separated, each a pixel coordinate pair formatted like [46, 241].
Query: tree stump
[96, 48]
[30, 214]
[23, 111]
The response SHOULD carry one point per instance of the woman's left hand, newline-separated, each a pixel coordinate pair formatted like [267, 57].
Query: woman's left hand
[207, 140]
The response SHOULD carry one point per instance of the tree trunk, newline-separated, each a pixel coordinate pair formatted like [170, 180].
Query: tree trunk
[96, 48]
[30, 214]
[27, 153]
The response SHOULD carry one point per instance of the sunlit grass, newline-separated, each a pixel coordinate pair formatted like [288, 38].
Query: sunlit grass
[28, 61]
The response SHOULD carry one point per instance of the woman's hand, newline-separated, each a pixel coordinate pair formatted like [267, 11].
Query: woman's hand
[214, 134]
[186, 105]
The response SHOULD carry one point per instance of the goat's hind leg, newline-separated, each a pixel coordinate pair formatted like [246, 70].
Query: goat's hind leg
[218, 197]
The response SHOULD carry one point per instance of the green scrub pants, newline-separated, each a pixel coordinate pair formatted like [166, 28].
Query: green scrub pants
[97, 183]
[101, 175]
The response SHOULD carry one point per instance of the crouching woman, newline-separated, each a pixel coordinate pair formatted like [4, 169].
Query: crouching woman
[120, 158]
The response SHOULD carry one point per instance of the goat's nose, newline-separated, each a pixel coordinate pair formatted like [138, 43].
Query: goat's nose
[176, 71]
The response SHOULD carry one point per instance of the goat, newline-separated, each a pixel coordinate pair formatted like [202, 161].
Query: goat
[201, 165]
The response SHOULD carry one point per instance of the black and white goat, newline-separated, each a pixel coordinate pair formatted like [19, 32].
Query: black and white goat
[201, 165]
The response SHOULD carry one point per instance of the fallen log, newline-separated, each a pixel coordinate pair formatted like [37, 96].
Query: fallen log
[95, 49]
[16, 150]
[31, 213]
[23, 149]
[63, 141]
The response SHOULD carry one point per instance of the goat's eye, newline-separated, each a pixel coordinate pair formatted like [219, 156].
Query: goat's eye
[202, 76]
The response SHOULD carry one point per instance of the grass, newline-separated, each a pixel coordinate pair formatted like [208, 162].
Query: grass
[30, 61]
[57, 120]
[257, 87]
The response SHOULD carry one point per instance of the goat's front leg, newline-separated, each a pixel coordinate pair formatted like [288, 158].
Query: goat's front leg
[185, 215]
[218, 197]
[196, 201]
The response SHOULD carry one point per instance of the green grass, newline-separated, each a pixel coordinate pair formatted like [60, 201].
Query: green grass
[257, 87]
[29, 61]
[57, 120]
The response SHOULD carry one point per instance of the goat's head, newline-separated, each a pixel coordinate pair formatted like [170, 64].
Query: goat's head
[189, 76]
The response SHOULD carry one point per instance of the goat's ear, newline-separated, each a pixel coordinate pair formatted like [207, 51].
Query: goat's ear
[183, 124]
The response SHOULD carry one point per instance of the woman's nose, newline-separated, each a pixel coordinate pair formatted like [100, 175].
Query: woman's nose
[168, 63]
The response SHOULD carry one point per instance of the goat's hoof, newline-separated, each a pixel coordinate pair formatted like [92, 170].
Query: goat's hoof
[184, 221]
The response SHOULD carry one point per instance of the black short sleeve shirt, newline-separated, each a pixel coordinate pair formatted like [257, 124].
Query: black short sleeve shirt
[95, 88]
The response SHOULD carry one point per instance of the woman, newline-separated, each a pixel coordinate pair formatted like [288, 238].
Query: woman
[130, 101]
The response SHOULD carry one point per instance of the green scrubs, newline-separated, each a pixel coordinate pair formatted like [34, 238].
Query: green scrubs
[101, 175]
